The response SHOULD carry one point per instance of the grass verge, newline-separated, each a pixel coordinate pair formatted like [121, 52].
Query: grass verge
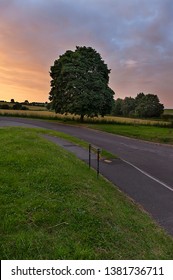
[104, 154]
[143, 132]
[53, 207]
[148, 133]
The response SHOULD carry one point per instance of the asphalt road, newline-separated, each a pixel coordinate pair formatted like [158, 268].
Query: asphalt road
[144, 170]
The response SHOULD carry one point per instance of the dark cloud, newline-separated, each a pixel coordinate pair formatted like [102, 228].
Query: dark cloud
[135, 38]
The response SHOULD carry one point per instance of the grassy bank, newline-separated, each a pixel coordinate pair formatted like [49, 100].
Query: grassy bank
[53, 207]
[148, 133]
[104, 154]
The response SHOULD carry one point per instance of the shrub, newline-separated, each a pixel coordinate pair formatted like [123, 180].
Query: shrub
[17, 106]
[24, 108]
[5, 106]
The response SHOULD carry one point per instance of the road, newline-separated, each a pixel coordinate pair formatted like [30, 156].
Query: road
[145, 171]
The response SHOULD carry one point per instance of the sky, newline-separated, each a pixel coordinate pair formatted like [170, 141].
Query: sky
[133, 37]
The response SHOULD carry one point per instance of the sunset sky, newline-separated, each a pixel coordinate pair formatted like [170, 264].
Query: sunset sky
[134, 38]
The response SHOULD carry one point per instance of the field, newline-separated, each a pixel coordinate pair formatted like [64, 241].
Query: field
[168, 111]
[43, 113]
[53, 207]
[150, 130]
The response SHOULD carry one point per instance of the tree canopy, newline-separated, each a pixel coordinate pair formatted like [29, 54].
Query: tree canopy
[79, 84]
[148, 105]
[144, 105]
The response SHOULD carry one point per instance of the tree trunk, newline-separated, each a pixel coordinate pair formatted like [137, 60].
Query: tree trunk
[81, 118]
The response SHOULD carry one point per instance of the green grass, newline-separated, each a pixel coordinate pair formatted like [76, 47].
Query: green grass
[104, 154]
[53, 207]
[143, 132]
[148, 133]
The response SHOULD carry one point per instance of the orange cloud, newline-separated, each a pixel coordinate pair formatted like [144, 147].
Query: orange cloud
[133, 37]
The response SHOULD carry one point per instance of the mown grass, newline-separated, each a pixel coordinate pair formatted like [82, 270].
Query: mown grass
[148, 133]
[104, 154]
[53, 207]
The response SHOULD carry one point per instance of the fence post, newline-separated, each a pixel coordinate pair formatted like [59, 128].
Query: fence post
[89, 155]
[98, 162]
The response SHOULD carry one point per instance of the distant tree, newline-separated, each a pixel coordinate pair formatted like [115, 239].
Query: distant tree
[12, 100]
[144, 106]
[148, 106]
[17, 106]
[24, 108]
[117, 107]
[80, 84]
[128, 106]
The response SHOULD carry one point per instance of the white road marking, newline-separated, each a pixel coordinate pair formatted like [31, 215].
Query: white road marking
[148, 175]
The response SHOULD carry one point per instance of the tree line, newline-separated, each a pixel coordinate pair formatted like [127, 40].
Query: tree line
[142, 106]
[14, 105]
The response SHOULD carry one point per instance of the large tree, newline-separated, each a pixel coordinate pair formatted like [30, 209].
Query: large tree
[79, 84]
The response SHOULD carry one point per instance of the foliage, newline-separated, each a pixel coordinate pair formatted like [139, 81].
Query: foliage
[117, 107]
[18, 106]
[24, 108]
[148, 106]
[128, 106]
[80, 84]
[145, 106]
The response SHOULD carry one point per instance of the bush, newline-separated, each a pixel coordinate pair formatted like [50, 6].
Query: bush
[17, 106]
[167, 117]
[5, 106]
[24, 108]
